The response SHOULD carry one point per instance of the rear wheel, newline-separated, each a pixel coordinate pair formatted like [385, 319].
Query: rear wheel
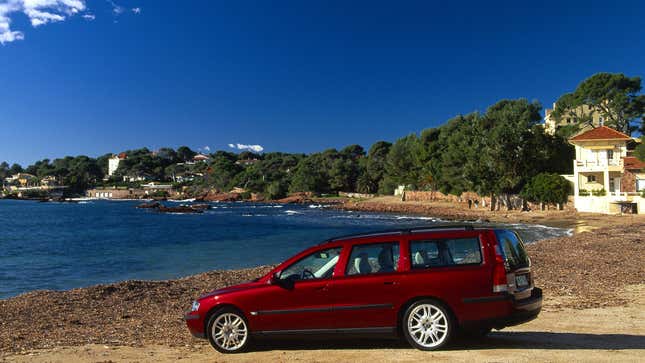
[228, 331]
[427, 325]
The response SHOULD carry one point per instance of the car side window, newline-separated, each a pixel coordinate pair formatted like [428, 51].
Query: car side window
[318, 265]
[373, 258]
[445, 252]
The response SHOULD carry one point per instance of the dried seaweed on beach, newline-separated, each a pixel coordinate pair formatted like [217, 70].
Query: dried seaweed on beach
[583, 271]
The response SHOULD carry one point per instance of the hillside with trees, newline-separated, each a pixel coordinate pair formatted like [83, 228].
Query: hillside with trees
[496, 153]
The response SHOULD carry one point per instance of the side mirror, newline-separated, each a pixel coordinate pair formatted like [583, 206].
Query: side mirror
[275, 279]
[284, 283]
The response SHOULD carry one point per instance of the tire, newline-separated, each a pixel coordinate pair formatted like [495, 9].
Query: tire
[427, 325]
[228, 331]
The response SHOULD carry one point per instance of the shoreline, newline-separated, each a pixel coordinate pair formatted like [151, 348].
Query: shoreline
[448, 211]
[137, 313]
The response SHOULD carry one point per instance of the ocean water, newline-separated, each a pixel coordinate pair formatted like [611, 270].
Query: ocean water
[67, 245]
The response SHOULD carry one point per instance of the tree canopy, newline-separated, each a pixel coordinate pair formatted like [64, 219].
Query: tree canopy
[614, 96]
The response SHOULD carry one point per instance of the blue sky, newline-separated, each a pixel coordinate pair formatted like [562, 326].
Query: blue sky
[294, 76]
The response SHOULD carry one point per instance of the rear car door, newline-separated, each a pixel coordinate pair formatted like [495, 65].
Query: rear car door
[451, 266]
[365, 293]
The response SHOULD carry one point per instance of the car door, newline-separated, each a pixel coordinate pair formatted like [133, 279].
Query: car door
[366, 293]
[300, 299]
[451, 267]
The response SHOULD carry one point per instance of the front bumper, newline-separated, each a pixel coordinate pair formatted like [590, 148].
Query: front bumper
[195, 325]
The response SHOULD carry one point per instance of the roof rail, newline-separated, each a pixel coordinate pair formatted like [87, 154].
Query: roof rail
[414, 230]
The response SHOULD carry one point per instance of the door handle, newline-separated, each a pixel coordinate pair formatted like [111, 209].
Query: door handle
[321, 288]
[390, 283]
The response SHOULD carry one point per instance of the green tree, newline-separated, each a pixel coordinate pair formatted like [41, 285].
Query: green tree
[184, 153]
[613, 95]
[639, 152]
[402, 165]
[372, 168]
[547, 188]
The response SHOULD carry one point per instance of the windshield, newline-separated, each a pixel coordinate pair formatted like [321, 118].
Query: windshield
[512, 249]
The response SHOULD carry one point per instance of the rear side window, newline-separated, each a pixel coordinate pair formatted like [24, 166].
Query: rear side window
[445, 252]
[512, 249]
[373, 258]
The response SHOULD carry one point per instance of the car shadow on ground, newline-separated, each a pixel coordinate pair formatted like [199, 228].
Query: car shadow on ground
[495, 340]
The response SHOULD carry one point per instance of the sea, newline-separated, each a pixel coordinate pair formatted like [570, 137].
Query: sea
[60, 246]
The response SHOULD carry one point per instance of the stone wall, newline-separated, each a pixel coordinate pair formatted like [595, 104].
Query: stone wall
[476, 201]
[628, 182]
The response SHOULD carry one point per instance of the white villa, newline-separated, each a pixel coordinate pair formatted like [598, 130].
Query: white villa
[607, 179]
[113, 163]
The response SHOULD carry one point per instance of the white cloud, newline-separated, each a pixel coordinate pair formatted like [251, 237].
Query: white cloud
[136, 10]
[116, 9]
[39, 12]
[89, 16]
[254, 148]
[207, 148]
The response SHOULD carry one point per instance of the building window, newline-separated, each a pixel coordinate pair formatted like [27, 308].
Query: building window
[610, 154]
[591, 178]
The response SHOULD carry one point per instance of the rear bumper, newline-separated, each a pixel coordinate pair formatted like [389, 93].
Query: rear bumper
[521, 311]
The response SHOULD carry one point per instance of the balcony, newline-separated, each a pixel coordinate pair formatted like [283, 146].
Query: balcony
[599, 165]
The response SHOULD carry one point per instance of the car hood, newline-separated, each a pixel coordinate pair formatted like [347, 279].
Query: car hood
[231, 289]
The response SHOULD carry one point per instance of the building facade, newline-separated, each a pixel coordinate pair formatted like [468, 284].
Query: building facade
[113, 163]
[551, 124]
[607, 179]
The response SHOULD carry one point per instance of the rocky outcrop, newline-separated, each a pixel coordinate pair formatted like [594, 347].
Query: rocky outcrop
[297, 198]
[220, 197]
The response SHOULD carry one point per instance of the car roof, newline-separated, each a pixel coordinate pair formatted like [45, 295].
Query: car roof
[404, 231]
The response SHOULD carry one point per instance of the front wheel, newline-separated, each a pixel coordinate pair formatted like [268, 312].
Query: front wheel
[427, 325]
[228, 331]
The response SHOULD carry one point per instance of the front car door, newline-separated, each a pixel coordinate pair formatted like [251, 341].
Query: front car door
[300, 300]
[366, 291]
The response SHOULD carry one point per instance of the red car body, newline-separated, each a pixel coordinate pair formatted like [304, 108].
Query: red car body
[484, 294]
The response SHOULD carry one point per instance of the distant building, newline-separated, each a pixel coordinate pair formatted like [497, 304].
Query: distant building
[606, 177]
[551, 124]
[114, 161]
[22, 179]
[246, 162]
[200, 158]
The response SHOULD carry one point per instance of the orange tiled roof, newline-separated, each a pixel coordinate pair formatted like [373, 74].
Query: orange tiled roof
[601, 133]
[631, 162]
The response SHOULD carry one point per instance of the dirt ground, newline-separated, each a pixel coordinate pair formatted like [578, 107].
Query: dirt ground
[591, 335]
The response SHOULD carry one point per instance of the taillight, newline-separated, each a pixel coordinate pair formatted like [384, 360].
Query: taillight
[500, 281]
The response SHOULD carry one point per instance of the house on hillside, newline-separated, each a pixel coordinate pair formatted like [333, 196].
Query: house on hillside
[114, 161]
[607, 178]
[551, 124]
[22, 180]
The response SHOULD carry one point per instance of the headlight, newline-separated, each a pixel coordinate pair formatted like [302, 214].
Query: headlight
[195, 306]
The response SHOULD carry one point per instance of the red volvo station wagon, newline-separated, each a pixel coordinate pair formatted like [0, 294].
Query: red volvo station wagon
[424, 284]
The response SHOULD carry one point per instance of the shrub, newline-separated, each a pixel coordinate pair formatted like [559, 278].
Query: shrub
[583, 192]
[599, 193]
[547, 188]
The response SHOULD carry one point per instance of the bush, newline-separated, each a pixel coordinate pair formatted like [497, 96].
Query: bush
[599, 193]
[583, 192]
[547, 188]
